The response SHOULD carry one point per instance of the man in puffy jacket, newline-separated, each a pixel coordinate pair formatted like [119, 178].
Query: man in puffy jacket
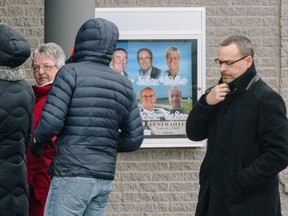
[93, 111]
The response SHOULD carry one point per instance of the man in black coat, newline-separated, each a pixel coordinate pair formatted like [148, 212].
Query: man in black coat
[94, 113]
[245, 124]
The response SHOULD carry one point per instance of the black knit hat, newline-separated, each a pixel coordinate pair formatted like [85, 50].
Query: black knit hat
[14, 48]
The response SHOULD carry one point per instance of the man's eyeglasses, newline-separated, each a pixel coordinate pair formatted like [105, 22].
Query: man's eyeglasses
[144, 58]
[228, 63]
[45, 68]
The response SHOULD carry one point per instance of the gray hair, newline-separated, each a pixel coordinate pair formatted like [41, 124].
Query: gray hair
[244, 45]
[147, 88]
[175, 87]
[52, 51]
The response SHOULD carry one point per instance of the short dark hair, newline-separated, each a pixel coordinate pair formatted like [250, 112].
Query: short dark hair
[145, 49]
[121, 49]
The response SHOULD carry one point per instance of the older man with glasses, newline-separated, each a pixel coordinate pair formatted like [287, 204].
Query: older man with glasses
[245, 123]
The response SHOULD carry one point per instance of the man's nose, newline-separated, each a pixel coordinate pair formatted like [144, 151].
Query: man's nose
[223, 67]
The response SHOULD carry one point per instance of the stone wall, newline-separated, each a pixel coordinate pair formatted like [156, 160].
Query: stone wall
[158, 182]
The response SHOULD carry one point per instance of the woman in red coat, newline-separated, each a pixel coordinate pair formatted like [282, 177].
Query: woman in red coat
[46, 61]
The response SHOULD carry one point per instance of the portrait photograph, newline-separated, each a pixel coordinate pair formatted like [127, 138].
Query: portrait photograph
[164, 77]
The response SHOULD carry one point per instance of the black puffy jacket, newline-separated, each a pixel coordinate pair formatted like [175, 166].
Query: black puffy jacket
[16, 123]
[91, 108]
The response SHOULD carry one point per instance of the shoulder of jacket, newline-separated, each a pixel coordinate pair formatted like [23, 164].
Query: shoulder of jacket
[265, 94]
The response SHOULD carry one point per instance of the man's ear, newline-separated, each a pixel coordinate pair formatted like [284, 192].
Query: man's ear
[249, 61]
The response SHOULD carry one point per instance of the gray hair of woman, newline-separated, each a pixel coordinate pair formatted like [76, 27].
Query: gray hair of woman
[52, 51]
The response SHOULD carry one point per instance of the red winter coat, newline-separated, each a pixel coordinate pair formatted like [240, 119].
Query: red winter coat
[38, 178]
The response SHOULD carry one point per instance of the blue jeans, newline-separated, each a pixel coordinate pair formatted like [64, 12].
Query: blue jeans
[78, 196]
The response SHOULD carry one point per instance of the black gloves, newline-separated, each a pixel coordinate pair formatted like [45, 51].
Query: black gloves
[35, 149]
[51, 143]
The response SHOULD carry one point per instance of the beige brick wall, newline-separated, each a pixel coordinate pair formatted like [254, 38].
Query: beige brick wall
[164, 182]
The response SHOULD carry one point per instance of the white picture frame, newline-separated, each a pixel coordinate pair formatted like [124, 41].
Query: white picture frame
[167, 24]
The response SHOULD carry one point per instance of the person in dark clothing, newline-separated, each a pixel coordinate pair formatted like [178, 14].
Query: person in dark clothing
[245, 124]
[16, 123]
[93, 111]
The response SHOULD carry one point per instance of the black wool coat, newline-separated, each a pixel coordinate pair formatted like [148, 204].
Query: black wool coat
[247, 147]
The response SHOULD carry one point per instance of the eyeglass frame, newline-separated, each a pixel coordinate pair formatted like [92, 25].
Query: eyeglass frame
[229, 63]
[148, 96]
[144, 58]
[45, 68]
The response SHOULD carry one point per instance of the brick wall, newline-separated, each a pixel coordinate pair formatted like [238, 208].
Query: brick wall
[158, 182]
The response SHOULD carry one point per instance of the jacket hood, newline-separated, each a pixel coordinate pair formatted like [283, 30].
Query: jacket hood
[14, 48]
[96, 41]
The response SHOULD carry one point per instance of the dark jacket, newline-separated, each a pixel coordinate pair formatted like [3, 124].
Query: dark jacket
[155, 73]
[16, 123]
[16, 114]
[92, 108]
[247, 148]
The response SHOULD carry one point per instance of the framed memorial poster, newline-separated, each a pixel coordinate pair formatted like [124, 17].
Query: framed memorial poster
[165, 64]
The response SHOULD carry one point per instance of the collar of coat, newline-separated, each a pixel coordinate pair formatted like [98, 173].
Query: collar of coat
[11, 74]
[41, 91]
[243, 81]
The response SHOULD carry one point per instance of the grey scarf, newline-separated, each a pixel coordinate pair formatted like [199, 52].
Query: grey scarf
[11, 74]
